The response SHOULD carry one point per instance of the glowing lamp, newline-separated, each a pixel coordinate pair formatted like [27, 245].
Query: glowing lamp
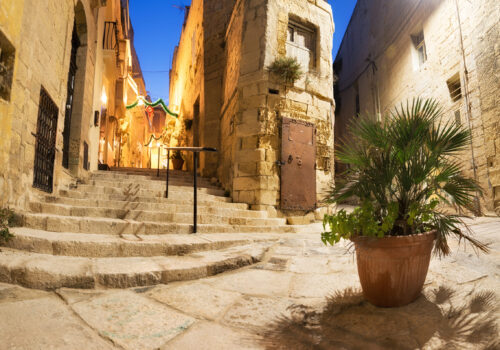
[104, 97]
[141, 101]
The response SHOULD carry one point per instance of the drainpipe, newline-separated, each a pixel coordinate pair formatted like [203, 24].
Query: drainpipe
[468, 104]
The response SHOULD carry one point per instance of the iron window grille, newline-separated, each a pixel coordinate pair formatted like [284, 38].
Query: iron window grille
[45, 147]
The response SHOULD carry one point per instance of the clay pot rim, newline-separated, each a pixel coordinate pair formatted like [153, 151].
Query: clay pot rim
[393, 241]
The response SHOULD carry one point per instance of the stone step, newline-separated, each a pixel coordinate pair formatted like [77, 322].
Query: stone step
[104, 246]
[140, 196]
[160, 204]
[153, 216]
[60, 223]
[43, 271]
[162, 178]
[149, 192]
[150, 184]
[151, 177]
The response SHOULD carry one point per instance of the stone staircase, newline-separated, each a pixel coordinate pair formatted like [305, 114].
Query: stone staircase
[117, 230]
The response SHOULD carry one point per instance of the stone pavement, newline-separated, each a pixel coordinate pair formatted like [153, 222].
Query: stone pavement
[303, 295]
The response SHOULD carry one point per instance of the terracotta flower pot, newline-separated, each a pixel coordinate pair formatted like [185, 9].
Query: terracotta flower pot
[178, 163]
[392, 270]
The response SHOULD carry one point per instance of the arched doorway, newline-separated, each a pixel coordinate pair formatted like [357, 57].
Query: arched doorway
[75, 92]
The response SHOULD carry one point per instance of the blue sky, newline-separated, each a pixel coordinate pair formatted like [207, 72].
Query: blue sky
[157, 26]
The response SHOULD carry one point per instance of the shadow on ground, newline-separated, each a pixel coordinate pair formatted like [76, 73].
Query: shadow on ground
[440, 319]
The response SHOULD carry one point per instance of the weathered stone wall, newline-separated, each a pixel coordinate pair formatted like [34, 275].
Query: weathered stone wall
[187, 79]
[243, 118]
[216, 16]
[379, 61]
[41, 33]
[11, 14]
[257, 123]
[231, 95]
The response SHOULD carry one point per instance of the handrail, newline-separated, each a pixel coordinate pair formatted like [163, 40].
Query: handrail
[196, 151]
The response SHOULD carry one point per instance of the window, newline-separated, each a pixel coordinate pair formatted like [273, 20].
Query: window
[419, 45]
[455, 88]
[301, 44]
[7, 54]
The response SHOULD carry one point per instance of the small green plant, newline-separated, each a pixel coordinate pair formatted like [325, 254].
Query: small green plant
[288, 69]
[7, 219]
[404, 173]
[176, 155]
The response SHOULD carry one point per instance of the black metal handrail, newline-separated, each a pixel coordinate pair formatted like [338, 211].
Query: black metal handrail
[196, 151]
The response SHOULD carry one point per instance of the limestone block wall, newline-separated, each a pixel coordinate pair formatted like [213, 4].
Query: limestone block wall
[11, 14]
[254, 106]
[216, 16]
[187, 79]
[41, 34]
[379, 63]
[240, 105]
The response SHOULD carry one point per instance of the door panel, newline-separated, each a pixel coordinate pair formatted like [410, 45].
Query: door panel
[298, 170]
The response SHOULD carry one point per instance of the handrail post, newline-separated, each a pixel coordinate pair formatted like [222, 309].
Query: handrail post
[195, 198]
[158, 171]
[168, 167]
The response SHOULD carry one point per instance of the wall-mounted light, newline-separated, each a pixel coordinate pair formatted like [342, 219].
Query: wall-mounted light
[141, 100]
[104, 97]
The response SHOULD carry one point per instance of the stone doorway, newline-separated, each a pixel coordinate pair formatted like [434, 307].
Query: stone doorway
[72, 134]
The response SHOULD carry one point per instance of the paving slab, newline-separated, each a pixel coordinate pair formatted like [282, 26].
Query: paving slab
[321, 286]
[132, 321]
[302, 295]
[196, 298]
[254, 313]
[212, 336]
[10, 293]
[45, 323]
[255, 282]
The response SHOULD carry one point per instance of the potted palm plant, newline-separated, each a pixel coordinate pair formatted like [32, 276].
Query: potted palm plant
[177, 160]
[406, 174]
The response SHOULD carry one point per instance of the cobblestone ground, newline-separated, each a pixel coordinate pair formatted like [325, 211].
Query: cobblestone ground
[303, 296]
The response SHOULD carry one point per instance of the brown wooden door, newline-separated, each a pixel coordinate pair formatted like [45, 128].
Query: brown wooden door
[298, 170]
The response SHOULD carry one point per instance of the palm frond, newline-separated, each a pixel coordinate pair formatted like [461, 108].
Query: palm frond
[411, 160]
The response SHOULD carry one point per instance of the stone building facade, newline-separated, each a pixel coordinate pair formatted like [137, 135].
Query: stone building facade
[62, 75]
[275, 141]
[395, 50]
